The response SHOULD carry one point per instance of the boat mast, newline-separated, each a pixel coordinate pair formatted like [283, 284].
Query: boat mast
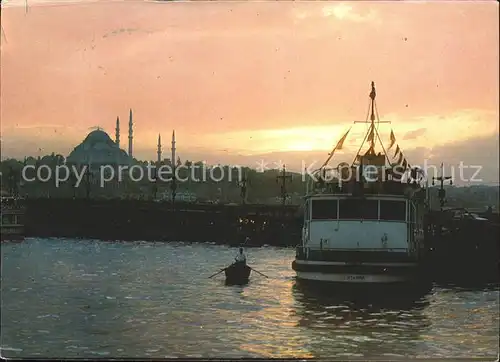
[372, 131]
[373, 94]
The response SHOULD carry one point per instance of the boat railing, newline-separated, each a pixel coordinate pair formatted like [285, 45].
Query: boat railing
[358, 188]
[353, 254]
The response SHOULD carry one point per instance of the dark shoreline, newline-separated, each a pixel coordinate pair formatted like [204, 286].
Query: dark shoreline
[128, 220]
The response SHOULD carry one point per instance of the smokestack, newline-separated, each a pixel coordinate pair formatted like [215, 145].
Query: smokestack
[117, 132]
[130, 137]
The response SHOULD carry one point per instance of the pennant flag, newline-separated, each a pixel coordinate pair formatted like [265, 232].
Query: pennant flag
[405, 163]
[400, 159]
[393, 139]
[371, 136]
[370, 151]
[398, 151]
[340, 144]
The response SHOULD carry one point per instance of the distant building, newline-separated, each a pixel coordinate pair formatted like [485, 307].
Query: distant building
[98, 149]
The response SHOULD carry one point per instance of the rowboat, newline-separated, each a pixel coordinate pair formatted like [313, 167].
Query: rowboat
[237, 273]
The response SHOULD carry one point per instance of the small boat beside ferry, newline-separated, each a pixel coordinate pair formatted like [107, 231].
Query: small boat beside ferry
[11, 218]
[238, 273]
[364, 222]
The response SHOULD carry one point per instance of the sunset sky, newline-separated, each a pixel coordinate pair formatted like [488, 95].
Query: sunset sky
[241, 81]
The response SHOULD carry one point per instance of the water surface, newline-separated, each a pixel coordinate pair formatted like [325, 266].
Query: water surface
[82, 298]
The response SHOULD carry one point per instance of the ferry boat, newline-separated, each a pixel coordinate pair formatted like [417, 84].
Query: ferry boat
[364, 222]
[11, 218]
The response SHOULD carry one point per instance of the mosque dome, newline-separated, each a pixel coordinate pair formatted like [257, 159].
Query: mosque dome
[98, 136]
[98, 148]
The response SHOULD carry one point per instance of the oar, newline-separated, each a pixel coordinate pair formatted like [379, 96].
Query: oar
[258, 272]
[211, 276]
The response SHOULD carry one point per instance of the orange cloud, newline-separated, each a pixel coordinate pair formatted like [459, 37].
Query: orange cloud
[246, 77]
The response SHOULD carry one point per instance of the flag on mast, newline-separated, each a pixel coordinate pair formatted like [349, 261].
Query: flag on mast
[340, 143]
[371, 136]
[397, 151]
[400, 159]
[405, 164]
[339, 146]
[393, 139]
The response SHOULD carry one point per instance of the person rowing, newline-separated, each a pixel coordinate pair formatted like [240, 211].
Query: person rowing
[241, 258]
[238, 268]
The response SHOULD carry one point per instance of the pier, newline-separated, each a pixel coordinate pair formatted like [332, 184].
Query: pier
[122, 219]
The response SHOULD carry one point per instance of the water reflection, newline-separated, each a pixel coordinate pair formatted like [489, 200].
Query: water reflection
[350, 324]
[472, 287]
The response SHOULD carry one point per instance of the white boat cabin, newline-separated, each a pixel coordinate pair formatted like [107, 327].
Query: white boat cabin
[372, 204]
[381, 222]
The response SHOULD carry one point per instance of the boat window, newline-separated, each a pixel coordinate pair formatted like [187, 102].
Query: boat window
[350, 209]
[392, 210]
[358, 209]
[324, 209]
[369, 209]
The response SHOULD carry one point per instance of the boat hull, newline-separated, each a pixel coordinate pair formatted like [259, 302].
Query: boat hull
[384, 294]
[237, 274]
[359, 273]
[352, 278]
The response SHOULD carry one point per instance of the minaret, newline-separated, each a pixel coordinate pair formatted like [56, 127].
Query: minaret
[117, 132]
[130, 125]
[174, 161]
[158, 152]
